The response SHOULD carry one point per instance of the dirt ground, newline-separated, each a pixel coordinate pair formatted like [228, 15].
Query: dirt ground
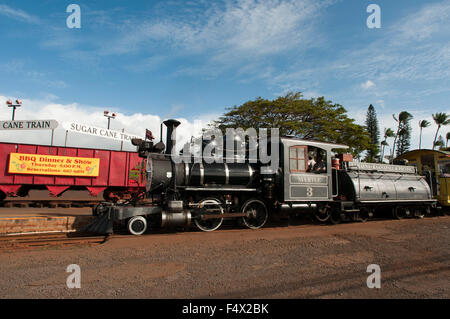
[300, 261]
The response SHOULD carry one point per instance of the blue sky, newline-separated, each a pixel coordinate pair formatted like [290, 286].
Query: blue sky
[149, 60]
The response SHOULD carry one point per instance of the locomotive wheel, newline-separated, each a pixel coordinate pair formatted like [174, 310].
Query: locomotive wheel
[137, 225]
[400, 212]
[335, 216]
[419, 212]
[445, 211]
[363, 215]
[256, 212]
[215, 207]
[323, 214]
[98, 209]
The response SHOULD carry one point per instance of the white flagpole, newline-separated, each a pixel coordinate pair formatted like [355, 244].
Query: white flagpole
[65, 140]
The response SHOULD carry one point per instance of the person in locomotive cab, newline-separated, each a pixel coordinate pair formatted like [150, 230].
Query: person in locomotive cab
[311, 163]
[321, 165]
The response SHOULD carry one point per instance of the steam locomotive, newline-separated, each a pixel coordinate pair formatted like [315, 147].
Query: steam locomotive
[206, 194]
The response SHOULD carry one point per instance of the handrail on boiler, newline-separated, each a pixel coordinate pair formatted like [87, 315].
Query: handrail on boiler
[335, 179]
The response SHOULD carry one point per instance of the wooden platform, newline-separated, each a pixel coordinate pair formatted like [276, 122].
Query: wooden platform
[43, 220]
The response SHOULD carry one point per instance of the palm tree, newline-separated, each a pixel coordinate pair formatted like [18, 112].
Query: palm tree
[441, 119]
[440, 142]
[387, 133]
[447, 137]
[422, 124]
[403, 118]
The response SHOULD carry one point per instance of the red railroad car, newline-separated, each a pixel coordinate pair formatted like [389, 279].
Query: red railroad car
[120, 174]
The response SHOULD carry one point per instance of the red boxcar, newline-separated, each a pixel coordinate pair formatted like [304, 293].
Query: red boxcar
[120, 175]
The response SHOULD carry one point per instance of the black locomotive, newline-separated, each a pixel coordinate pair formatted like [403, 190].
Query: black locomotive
[307, 180]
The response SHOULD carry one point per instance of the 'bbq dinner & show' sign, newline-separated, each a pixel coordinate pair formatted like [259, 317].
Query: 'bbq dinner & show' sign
[53, 165]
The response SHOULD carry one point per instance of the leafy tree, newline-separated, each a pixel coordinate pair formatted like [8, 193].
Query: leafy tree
[387, 133]
[403, 142]
[422, 125]
[403, 117]
[441, 119]
[304, 118]
[372, 129]
[447, 137]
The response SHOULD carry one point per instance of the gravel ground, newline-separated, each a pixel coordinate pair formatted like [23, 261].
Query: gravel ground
[301, 261]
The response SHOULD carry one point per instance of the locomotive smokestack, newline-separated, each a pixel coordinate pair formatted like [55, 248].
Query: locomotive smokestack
[171, 128]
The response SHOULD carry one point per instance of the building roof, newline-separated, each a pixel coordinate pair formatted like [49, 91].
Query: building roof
[325, 145]
[414, 153]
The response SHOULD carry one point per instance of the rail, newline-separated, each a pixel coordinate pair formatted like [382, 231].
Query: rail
[14, 242]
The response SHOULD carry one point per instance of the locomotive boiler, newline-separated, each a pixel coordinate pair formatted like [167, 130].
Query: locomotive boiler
[205, 194]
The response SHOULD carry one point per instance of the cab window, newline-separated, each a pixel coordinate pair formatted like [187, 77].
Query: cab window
[317, 160]
[297, 158]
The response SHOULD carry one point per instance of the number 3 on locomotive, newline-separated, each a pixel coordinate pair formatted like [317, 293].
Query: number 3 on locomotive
[309, 192]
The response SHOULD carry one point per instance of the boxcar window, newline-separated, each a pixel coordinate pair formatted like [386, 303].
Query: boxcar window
[427, 162]
[444, 168]
[297, 158]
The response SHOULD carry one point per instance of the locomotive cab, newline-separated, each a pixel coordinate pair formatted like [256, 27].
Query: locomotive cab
[303, 182]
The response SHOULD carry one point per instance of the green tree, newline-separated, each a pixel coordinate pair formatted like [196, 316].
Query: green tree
[422, 125]
[441, 119]
[374, 133]
[403, 117]
[387, 134]
[403, 142]
[447, 137]
[304, 118]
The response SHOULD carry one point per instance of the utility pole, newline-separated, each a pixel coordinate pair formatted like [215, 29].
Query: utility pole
[112, 116]
[14, 106]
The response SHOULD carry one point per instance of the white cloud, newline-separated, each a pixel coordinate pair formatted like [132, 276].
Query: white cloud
[394, 56]
[368, 84]
[229, 34]
[428, 21]
[149, 64]
[17, 14]
[380, 103]
[257, 27]
[404, 58]
[132, 123]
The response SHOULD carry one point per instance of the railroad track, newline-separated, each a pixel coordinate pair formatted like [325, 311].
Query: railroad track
[48, 240]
